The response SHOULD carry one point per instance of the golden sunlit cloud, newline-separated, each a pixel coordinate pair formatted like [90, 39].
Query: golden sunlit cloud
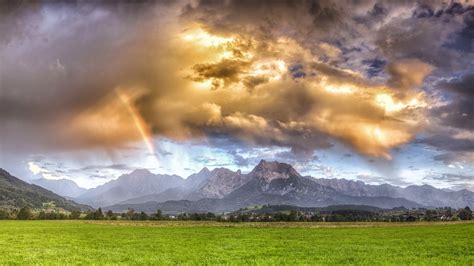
[359, 117]
[199, 36]
[263, 92]
[339, 88]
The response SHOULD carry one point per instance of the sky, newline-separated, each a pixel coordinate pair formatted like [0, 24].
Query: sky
[377, 91]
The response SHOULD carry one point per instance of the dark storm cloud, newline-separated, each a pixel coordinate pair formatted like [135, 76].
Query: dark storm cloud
[464, 39]
[463, 86]
[427, 35]
[456, 117]
[459, 113]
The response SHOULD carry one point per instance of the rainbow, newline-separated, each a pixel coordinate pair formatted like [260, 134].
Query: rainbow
[140, 124]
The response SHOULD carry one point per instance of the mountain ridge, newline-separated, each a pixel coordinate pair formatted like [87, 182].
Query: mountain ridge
[138, 182]
[16, 193]
[268, 183]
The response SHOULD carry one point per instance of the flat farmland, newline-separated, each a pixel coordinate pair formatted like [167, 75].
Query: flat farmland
[191, 243]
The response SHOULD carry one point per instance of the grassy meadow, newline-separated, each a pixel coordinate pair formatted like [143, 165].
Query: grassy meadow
[106, 242]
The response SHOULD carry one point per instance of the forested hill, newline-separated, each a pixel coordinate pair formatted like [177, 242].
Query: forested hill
[15, 193]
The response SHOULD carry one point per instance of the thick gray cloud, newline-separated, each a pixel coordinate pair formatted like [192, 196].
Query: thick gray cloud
[460, 112]
[454, 120]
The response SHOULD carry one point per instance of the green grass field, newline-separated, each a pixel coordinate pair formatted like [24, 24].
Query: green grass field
[76, 242]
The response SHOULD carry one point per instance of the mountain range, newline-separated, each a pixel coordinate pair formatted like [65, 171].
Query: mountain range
[268, 183]
[15, 193]
[273, 183]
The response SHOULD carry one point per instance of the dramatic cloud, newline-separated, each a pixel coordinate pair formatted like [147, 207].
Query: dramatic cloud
[194, 82]
[299, 75]
[459, 113]
[453, 121]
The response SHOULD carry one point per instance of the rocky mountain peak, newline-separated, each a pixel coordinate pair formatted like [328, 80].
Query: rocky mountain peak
[196, 179]
[220, 182]
[269, 171]
[220, 171]
[140, 173]
[204, 170]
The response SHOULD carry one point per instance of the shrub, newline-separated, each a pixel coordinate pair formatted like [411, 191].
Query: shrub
[24, 214]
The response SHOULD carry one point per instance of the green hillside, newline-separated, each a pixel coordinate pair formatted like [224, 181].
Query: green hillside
[15, 193]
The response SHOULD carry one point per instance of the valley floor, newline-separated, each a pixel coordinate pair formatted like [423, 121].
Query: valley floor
[122, 242]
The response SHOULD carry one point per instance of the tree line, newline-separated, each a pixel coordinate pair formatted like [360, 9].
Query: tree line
[350, 215]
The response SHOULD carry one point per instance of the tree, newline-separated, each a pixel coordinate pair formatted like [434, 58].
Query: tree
[109, 215]
[465, 214]
[4, 214]
[136, 216]
[98, 215]
[42, 215]
[143, 216]
[293, 216]
[158, 215]
[95, 215]
[24, 214]
[429, 215]
[75, 215]
[89, 215]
